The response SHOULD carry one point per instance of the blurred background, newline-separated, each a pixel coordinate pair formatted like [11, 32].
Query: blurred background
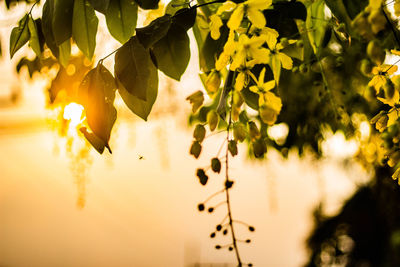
[63, 204]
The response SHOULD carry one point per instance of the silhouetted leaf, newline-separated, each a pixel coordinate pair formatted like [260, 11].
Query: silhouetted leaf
[121, 17]
[100, 5]
[96, 142]
[232, 147]
[19, 35]
[84, 27]
[47, 28]
[148, 4]
[211, 50]
[203, 178]
[172, 52]
[216, 165]
[135, 69]
[195, 149]
[62, 19]
[153, 32]
[185, 17]
[96, 94]
[34, 37]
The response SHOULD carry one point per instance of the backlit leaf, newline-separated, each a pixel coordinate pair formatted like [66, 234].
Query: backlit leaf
[121, 17]
[65, 52]
[135, 69]
[84, 27]
[34, 37]
[47, 27]
[153, 32]
[185, 17]
[100, 5]
[172, 52]
[96, 94]
[316, 22]
[62, 19]
[19, 35]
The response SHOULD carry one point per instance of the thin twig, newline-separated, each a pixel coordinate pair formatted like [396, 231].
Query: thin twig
[234, 242]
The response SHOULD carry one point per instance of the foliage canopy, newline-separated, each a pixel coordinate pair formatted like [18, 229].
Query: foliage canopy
[311, 65]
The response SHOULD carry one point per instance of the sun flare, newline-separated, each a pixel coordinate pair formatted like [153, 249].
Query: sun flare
[73, 113]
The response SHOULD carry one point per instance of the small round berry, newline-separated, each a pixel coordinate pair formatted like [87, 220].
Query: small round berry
[251, 229]
[219, 227]
[212, 235]
[210, 210]
[217, 247]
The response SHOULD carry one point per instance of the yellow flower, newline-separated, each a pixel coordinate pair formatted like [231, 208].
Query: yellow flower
[262, 89]
[249, 48]
[215, 19]
[253, 10]
[380, 73]
[229, 49]
[242, 79]
[215, 25]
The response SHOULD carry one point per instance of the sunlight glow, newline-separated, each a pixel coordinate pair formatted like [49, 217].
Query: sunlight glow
[73, 113]
[336, 146]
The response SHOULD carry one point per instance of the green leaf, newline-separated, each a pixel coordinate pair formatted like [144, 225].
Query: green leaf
[34, 37]
[172, 52]
[121, 17]
[19, 35]
[185, 17]
[250, 98]
[153, 32]
[140, 107]
[211, 50]
[100, 5]
[65, 53]
[62, 19]
[47, 27]
[97, 94]
[96, 142]
[148, 4]
[84, 27]
[135, 69]
[316, 23]
[294, 51]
